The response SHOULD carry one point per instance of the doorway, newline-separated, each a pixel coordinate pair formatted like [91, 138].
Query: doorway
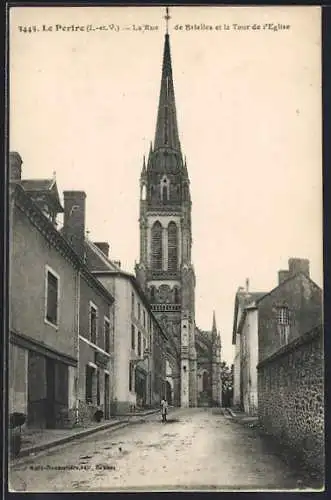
[168, 393]
[106, 397]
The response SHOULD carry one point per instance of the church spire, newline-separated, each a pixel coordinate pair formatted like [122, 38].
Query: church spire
[166, 134]
[214, 328]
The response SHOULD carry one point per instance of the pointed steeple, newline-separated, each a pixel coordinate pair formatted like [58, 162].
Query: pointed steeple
[166, 134]
[214, 328]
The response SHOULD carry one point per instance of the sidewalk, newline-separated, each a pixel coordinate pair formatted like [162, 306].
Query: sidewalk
[35, 440]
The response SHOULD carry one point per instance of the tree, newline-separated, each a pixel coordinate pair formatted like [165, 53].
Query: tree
[227, 384]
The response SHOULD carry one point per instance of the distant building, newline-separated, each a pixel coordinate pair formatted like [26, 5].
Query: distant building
[244, 338]
[209, 383]
[140, 344]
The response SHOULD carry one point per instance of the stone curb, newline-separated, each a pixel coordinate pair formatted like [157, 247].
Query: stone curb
[81, 434]
[66, 439]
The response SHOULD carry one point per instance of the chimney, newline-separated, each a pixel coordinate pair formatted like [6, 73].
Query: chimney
[298, 266]
[104, 247]
[117, 263]
[15, 166]
[74, 220]
[283, 275]
[247, 284]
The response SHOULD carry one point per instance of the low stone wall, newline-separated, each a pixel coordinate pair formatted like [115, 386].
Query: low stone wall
[291, 397]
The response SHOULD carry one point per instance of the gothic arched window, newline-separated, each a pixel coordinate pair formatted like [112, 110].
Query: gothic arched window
[164, 193]
[156, 249]
[172, 247]
[143, 192]
[176, 295]
[151, 192]
[152, 293]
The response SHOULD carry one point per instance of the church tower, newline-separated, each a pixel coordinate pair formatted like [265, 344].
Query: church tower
[165, 270]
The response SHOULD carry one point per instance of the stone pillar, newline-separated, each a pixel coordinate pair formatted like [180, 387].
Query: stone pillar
[185, 362]
[165, 248]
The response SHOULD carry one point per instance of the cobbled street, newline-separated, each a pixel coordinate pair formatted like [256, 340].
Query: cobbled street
[195, 449]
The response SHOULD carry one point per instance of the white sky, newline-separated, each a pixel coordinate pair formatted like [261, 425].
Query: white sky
[84, 104]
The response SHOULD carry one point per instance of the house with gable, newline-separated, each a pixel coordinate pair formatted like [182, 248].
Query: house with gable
[265, 322]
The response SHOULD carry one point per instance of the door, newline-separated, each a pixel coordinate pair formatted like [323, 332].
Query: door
[37, 393]
[106, 396]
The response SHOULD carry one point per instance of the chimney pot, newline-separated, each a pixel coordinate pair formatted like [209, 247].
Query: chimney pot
[74, 220]
[297, 265]
[15, 166]
[104, 247]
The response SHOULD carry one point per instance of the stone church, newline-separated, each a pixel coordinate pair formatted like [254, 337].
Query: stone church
[165, 270]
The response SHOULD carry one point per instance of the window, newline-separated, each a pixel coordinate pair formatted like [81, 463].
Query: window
[145, 344]
[283, 316]
[93, 323]
[283, 320]
[144, 313]
[139, 311]
[107, 335]
[172, 247]
[156, 241]
[152, 293]
[143, 192]
[176, 296]
[89, 384]
[132, 302]
[165, 193]
[133, 338]
[52, 295]
[139, 343]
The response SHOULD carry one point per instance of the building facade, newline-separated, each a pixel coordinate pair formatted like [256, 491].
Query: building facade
[291, 365]
[51, 294]
[43, 312]
[165, 271]
[140, 344]
[266, 322]
[245, 339]
[96, 320]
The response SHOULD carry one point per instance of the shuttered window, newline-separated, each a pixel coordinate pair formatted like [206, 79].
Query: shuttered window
[157, 246]
[172, 247]
[52, 298]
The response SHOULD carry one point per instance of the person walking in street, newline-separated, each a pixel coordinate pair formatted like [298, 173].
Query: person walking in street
[164, 409]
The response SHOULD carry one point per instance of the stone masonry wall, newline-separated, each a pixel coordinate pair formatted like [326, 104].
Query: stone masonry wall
[291, 397]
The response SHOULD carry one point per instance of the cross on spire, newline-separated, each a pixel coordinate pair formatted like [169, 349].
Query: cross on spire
[167, 17]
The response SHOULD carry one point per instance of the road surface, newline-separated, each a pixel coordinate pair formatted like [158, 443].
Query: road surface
[197, 449]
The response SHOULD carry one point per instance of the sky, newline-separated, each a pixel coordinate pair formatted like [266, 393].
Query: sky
[83, 104]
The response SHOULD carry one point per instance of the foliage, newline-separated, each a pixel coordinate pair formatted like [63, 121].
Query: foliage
[227, 383]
